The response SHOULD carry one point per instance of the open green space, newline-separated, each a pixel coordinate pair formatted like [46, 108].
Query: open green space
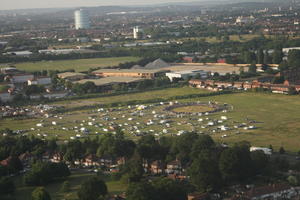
[155, 94]
[193, 109]
[275, 117]
[75, 180]
[78, 65]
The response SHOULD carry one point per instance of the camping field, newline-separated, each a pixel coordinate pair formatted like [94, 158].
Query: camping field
[261, 118]
[78, 65]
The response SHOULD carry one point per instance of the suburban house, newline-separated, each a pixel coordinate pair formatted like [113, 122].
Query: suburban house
[217, 85]
[157, 167]
[57, 157]
[174, 167]
[26, 158]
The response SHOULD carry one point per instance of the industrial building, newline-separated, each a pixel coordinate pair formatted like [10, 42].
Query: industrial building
[71, 76]
[186, 74]
[136, 73]
[82, 20]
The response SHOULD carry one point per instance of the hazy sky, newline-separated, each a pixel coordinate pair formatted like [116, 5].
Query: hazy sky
[21, 4]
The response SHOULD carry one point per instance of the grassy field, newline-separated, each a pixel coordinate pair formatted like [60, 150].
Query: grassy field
[78, 65]
[277, 118]
[163, 94]
[193, 109]
[24, 193]
[278, 115]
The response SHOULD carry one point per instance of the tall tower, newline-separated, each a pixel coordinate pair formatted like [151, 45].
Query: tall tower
[137, 32]
[82, 20]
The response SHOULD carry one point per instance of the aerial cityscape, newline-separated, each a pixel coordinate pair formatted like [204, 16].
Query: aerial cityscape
[152, 100]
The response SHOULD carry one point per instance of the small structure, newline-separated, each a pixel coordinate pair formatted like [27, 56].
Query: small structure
[186, 74]
[71, 76]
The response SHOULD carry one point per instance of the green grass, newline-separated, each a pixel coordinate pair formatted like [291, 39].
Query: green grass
[193, 109]
[278, 115]
[164, 93]
[24, 192]
[78, 65]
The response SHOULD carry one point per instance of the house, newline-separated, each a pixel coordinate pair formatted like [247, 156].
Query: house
[188, 59]
[275, 191]
[6, 161]
[157, 167]
[57, 158]
[279, 88]
[247, 85]
[26, 158]
[238, 85]
[174, 167]
[91, 160]
[106, 161]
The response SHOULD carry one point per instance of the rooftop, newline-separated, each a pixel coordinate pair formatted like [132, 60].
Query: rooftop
[127, 71]
[110, 80]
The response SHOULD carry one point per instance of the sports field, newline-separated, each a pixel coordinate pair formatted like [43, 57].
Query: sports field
[78, 65]
[260, 118]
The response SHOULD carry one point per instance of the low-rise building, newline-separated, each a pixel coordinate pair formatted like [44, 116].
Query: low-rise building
[186, 74]
[5, 96]
[21, 78]
[40, 81]
[135, 73]
[71, 76]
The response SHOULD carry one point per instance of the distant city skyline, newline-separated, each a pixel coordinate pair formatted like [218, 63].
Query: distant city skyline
[25, 4]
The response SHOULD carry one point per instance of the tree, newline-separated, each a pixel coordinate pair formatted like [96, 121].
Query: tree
[249, 57]
[6, 186]
[203, 143]
[182, 146]
[260, 161]
[265, 67]
[267, 59]
[92, 189]
[40, 194]
[168, 189]
[14, 165]
[252, 69]
[140, 191]
[260, 56]
[294, 59]
[65, 186]
[235, 163]
[281, 150]
[204, 172]
[292, 90]
[277, 56]
[293, 180]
